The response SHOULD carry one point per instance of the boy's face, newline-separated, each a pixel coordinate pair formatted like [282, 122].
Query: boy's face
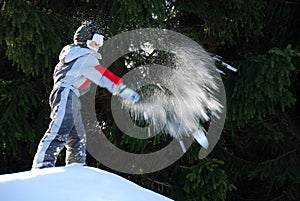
[94, 44]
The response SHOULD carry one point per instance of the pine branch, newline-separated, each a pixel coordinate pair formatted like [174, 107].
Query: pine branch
[295, 135]
[281, 156]
[158, 182]
[290, 3]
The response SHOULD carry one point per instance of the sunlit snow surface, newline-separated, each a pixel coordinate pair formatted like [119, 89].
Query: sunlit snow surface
[74, 184]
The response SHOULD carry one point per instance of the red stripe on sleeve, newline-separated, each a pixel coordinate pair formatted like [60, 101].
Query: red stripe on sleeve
[109, 75]
[85, 84]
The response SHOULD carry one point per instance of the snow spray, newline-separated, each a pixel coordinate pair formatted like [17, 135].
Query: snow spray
[178, 98]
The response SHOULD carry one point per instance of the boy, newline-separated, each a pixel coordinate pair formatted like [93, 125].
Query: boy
[78, 66]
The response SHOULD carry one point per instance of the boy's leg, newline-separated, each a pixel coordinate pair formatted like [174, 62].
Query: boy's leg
[76, 144]
[57, 135]
[75, 149]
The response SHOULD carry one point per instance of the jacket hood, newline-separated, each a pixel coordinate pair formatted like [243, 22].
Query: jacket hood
[72, 52]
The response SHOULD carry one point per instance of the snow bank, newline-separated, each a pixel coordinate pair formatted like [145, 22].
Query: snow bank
[72, 184]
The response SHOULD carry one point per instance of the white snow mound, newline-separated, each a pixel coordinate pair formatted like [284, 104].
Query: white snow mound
[72, 184]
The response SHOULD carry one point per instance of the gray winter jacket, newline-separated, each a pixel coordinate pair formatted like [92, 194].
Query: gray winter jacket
[78, 67]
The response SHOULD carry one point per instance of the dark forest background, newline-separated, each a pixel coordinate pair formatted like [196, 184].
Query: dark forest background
[257, 157]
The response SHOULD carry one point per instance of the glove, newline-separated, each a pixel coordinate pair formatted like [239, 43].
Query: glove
[128, 94]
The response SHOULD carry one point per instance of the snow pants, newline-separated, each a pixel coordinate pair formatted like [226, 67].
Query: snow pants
[65, 130]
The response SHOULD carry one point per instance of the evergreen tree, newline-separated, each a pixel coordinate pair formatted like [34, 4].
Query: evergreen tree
[257, 157]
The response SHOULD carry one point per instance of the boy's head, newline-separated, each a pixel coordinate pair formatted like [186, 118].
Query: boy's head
[87, 32]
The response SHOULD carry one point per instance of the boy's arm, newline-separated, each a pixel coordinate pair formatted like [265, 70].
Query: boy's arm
[106, 79]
